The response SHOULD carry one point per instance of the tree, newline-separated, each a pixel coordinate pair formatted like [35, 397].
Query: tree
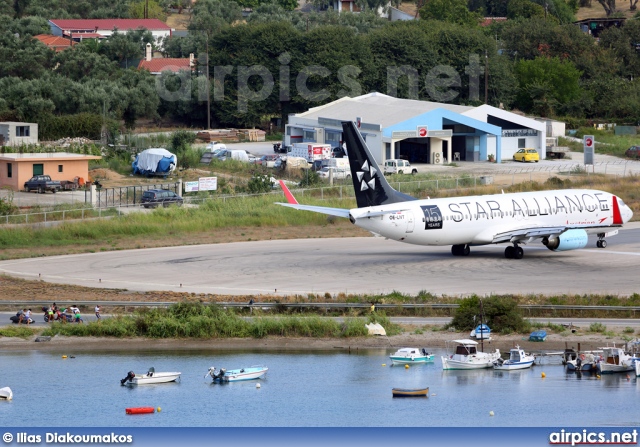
[524, 9]
[81, 62]
[546, 84]
[154, 10]
[501, 314]
[209, 16]
[609, 6]
[452, 11]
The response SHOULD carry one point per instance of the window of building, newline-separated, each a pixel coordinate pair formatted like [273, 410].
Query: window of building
[333, 137]
[309, 135]
[22, 131]
[522, 143]
[59, 168]
[9, 170]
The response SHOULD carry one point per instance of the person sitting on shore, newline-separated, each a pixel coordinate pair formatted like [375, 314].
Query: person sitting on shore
[76, 313]
[20, 315]
[27, 316]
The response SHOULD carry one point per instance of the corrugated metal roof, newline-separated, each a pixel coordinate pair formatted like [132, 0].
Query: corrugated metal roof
[110, 24]
[378, 108]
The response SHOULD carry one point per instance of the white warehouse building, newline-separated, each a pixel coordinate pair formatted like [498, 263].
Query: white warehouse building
[420, 131]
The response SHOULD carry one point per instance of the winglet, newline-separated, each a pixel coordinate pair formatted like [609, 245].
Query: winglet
[290, 199]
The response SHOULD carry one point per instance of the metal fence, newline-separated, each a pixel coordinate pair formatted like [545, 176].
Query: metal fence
[126, 195]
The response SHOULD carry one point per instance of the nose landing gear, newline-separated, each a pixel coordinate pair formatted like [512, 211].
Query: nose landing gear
[515, 252]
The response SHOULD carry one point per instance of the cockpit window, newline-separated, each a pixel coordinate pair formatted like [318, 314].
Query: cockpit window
[620, 202]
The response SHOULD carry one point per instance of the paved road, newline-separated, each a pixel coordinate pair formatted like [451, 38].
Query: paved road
[348, 265]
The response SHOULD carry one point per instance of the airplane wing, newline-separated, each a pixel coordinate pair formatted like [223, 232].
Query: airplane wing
[524, 235]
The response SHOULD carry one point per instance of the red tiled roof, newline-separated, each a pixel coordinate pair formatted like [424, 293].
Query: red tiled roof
[489, 20]
[54, 42]
[109, 24]
[165, 64]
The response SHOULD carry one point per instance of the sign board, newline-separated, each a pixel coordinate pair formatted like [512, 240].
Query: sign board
[589, 149]
[441, 133]
[191, 186]
[403, 134]
[208, 183]
[422, 131]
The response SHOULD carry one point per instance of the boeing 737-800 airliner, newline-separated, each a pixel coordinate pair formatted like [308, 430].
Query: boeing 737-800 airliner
[560, 219]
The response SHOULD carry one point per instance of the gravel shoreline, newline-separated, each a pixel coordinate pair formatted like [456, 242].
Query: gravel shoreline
[427, 339]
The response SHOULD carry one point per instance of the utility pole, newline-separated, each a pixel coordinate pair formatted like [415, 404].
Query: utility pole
[208, 86]
[486, 76]
[146, 9]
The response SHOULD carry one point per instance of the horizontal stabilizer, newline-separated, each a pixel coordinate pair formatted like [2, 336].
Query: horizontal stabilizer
[338, 212]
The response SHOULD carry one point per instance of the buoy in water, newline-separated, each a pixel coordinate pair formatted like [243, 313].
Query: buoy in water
[491, 413]
[257, 385]
[543, 375]
[64, 356]
[384, 364]
[159, 409]
[406, 366]
[139, 410]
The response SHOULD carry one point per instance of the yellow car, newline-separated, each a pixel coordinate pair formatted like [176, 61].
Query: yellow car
[526, 155]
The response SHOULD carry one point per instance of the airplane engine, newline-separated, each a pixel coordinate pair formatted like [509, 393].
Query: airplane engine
[569, 240]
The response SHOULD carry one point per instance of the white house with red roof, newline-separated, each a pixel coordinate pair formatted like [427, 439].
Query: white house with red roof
[78, 29]
[160, 64]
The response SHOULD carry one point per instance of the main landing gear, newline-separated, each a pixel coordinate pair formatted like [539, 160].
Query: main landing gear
[601, 242]
[515, 252]
[460, 250]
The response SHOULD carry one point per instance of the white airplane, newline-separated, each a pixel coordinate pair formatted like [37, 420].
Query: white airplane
[560, 219]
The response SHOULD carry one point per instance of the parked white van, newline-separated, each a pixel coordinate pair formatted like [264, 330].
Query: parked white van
[338, 173]
[233, 154]
[215, 146]
[398, 167]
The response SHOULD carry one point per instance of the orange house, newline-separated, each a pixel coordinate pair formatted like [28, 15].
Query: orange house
[15, 169]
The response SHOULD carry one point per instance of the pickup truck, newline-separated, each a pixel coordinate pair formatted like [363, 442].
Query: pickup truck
[42, 184]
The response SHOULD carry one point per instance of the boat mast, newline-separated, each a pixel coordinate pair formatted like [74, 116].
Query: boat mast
[481, 327]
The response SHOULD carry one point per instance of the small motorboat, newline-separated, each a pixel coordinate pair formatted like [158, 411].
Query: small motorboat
[410, 392]
[586, 361]
[407, 356]
[481, 332]
[139, 410]
[615, 360]
[236, 375]
[150, 377]
[518, 359]
[466, 356]
[6, 393]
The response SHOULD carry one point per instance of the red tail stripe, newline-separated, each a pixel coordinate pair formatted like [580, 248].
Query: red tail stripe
[617, 218]
[292, 200]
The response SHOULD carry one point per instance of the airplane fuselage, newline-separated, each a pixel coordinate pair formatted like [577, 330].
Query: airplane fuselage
[475, 220]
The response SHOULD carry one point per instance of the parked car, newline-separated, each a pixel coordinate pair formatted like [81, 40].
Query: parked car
[633, 152]
[338, 173]
[42, 184]
[215, 145]
[156, 197]
[527, 155]
[398, 167]
[268, 161]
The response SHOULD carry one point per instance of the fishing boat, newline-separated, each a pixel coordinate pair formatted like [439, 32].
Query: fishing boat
[407, 356]
[615, 360]
[6, 393]
[586, 361]
[466, 356]
[410, 392]
[151, 377]
[481, 332]
[518, 359]
[236, 375]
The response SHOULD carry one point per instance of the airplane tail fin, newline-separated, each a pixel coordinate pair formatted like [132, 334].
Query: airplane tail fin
[370, 186]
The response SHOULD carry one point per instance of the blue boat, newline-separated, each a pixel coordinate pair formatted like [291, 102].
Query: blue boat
[481, 332]
[538, 336]
[236, 375]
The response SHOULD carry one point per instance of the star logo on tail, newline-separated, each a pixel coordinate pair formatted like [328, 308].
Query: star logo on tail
[367, 169]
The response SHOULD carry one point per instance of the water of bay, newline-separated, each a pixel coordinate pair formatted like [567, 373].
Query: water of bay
[303, 389]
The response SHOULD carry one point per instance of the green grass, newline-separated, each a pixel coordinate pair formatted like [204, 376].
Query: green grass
[194, 320]
[18, 331]
[606, 141]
